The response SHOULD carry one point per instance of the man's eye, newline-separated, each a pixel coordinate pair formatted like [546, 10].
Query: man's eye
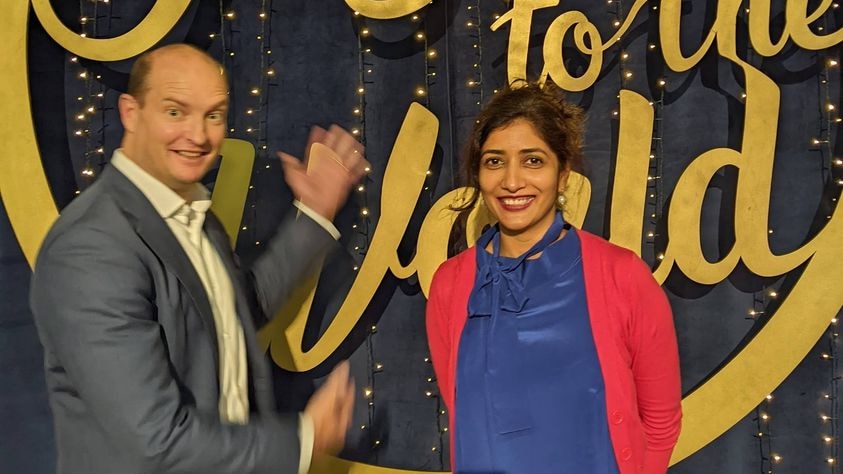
[173, 112]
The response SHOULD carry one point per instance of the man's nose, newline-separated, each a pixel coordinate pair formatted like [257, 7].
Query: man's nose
[197, 131]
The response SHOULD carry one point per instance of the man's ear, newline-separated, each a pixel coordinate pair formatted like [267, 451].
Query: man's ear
[129, 110]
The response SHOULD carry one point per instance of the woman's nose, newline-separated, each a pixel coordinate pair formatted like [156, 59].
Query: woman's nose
[513, 178]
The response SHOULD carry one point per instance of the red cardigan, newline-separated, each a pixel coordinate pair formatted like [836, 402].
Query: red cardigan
[633, 332]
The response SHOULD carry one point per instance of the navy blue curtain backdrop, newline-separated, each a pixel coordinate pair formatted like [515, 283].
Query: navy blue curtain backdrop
[318, 57]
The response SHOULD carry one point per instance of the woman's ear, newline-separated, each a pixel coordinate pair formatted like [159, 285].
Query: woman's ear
[563, 179]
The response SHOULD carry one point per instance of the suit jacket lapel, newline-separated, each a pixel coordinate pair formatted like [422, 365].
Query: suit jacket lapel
[258, 369]
[157, 234]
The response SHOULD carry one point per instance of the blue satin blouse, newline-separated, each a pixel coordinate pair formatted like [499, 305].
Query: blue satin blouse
[529, 390]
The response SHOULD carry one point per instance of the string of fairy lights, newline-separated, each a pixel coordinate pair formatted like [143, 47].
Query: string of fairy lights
[365, 76]
[361, 228]
[655, 195]
[655, 200]
[430, 56]
[432, 390]
[769, 457]
[764, 434]
[257, 110]
[827, 148]
[475, 81]
[90, 117]
[833, 173]
[255, 101]
[422, 93]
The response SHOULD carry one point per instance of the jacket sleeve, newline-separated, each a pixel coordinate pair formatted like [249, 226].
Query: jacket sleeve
[94, 305]
[439, 335]
[655, 365]
[295, 253]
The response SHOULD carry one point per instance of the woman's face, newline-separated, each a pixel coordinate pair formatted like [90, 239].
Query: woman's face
[520, 178]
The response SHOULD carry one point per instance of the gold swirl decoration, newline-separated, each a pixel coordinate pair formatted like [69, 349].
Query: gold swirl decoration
[157, 23]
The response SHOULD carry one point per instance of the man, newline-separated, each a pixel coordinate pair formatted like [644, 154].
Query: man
[147, 321]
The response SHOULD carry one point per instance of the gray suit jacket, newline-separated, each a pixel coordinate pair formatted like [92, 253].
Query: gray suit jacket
[130, 347]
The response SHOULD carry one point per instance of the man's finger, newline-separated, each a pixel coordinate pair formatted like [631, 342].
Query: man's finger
[361, 166]
[346, 145]
[338, 377]
[348, 404]
[290, 162]
[342, 371]
[332, 136]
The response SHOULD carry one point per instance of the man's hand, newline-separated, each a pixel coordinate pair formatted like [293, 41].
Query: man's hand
[333, 163]
[330, 410]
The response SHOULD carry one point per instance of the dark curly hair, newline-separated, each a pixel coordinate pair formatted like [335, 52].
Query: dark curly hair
[557, 122]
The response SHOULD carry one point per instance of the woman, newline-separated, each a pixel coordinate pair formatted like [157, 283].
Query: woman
[554, 350]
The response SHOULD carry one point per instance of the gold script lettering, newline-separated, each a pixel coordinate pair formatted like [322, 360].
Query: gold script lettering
[632, 163]
[554, 62]
[520, 18]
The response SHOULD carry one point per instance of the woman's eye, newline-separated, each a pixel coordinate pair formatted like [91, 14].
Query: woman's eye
[534, 161]
[493, 162]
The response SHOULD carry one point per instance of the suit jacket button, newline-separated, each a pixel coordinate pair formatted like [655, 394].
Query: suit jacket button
[617, 417]
[626, 454]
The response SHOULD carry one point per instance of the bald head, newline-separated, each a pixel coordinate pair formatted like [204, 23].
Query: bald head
[144, 64]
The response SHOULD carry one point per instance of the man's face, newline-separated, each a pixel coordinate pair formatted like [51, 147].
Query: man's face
[176, 134]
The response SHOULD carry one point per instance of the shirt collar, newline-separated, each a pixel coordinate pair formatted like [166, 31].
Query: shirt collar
[165, 201]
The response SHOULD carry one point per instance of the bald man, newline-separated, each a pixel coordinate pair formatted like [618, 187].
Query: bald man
[148, 322]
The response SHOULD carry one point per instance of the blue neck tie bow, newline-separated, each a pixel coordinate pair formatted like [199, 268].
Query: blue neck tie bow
[499, 294]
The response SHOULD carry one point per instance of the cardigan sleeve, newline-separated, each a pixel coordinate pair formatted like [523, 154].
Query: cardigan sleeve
[438, 335]
[655, 365]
